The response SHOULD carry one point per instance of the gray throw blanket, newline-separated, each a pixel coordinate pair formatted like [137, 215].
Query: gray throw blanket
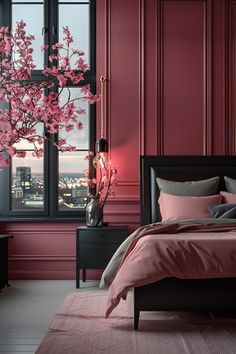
[223, 211]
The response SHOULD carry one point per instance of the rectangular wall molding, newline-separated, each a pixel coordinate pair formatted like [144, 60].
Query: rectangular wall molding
[185, 34]
[232, 76]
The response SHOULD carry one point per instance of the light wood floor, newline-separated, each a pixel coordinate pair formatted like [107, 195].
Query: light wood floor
[26, 310]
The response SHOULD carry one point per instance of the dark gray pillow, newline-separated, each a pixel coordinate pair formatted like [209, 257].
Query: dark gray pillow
[230, 184]
[223, 211]
[192, 188]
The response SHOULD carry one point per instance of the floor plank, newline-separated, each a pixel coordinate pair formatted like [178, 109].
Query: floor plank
[27, 308]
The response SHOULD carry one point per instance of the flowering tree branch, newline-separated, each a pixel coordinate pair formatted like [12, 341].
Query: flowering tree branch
[32, 102]
[103, 186]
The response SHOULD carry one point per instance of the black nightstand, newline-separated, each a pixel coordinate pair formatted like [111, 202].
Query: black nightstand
[95, 246]
[4, 260]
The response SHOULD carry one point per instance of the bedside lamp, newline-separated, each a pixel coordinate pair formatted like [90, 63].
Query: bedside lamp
[101, 145]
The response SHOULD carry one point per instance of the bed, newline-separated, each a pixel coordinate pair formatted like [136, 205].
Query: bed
[189, 294]
[196, 294]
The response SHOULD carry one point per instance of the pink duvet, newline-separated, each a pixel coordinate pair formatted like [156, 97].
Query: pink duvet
[181, 250]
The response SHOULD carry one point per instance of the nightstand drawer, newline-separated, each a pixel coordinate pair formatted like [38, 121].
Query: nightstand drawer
[101, 239]
[93, 263]
[103, 236]
[97, 250]
[95, 246]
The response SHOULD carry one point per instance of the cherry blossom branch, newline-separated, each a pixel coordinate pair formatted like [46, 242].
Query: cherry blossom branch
[27, 104]
[107, 179]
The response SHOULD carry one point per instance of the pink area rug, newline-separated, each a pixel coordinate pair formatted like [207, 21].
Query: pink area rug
[79, 327]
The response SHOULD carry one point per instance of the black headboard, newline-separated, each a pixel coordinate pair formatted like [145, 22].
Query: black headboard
[178, 168]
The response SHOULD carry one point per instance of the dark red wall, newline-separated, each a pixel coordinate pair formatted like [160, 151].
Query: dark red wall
[170, 90]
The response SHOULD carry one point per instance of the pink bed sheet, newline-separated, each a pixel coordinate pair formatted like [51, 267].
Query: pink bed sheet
[184, 250]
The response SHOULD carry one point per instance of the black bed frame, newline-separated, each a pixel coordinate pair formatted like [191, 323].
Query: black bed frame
[217, 294]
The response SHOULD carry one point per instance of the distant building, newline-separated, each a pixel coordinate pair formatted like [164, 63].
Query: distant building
[23, 179]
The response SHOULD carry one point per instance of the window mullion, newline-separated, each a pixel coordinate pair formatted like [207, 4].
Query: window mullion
[5, 13]
[48, 168]
[92, 34]
[52, 15]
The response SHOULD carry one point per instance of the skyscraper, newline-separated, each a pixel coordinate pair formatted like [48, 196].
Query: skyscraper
[23, 178]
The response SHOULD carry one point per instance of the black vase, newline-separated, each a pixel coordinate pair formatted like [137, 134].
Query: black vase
[94, 214]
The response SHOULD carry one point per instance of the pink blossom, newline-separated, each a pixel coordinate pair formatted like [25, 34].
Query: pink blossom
[67, 36]
[85, 89]
[4, 161]
[69, 127]
[44, 47]
[57, 46]
[103, 185]
[11, 151]
[114, 171]
[65, 61]
[81, 64]
[62, 80]
[27, 104]
[53, 57]
[78, 52]
[79, 125]
[89, 182]
[87, 172]
[38, 153]
[68, 148]
[21, 154]
[113, 180]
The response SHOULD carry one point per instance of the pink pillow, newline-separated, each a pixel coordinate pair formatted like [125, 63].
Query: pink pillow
[186, 207]
[228, 198]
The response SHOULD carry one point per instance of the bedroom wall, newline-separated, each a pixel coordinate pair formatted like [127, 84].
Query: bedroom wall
[170, 90]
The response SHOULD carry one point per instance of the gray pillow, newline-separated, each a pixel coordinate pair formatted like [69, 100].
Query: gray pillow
[193, 188]
[230, 184]
[223, 211]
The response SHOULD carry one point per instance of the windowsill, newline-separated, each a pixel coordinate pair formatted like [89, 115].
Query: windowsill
[42, 219]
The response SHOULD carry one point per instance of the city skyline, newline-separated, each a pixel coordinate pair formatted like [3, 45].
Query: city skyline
[68, 162]
[28, 190]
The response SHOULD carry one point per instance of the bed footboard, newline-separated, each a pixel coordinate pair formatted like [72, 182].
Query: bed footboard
[174, 294]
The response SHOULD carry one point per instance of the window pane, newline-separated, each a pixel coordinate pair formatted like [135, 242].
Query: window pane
[19, 1]
[32, 15]
[77, 138]
[66, 1]
[72, 187]
[76, 17]
[27, 183]
[25, 145]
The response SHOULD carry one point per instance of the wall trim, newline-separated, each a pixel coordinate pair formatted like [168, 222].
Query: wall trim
[35, 232]
[123, 212]
[52, 274]
[41, 257]
[107, 64]
[207, 123]
[231, 76]
[141, 78]
[207, 99]
[226, 79]
[159, 78]
[42, 275]
[128, 183]
[126, 200]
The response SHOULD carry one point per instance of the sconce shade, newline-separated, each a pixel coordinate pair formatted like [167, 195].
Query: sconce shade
[101, 145]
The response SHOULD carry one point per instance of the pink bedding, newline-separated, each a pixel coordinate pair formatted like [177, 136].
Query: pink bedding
[187, 250]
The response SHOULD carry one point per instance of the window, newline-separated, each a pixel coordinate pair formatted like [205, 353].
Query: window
[52, 186]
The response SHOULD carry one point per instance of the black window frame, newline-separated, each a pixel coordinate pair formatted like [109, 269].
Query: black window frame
[51, 175]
